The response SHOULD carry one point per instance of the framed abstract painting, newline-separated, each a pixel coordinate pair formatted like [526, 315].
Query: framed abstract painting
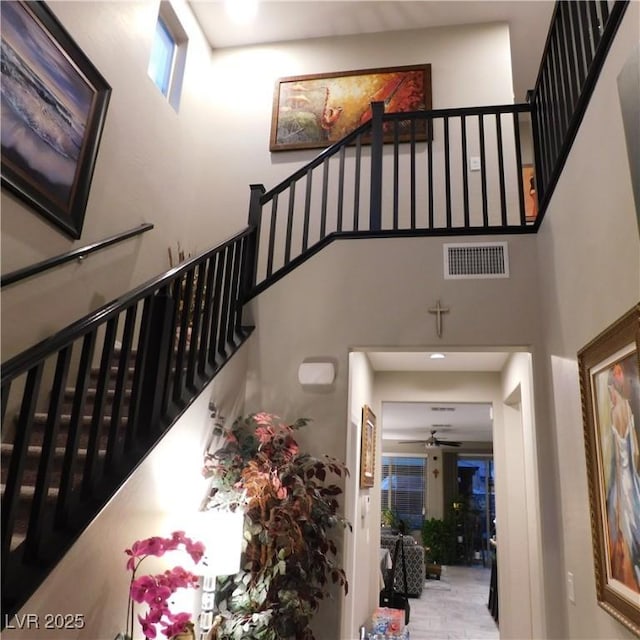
[367, 448]
[54, 103]
[315, 111]
[610, 388]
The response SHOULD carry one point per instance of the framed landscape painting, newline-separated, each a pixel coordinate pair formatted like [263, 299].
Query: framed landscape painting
[54, 103]
[610, 387]
[315, 111]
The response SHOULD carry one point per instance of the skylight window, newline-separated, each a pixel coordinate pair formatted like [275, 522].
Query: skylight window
[168, 54]
[162, 57]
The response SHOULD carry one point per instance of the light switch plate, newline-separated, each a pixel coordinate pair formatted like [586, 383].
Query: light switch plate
[571, 591]
[474, 163]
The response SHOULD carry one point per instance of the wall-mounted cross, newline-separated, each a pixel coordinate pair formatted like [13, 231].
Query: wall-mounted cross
[438, 311]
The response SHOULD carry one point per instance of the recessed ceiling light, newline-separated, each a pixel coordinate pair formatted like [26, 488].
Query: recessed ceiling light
[241, 11]
[437, 356]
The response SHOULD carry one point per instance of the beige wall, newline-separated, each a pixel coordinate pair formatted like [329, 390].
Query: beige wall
[520, 551]
[590, 275]
[361, 545]
[154, 165]
[374, 293]
[188, 173]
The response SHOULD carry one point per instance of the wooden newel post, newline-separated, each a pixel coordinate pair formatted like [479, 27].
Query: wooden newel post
[375, 212]
[250, 259]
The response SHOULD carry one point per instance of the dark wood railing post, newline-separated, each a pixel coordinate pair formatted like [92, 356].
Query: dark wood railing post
[252, 245]
[155, 365]
[375, 204]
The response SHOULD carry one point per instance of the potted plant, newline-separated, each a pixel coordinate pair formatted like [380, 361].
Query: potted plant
[289, 556]
[388, 519]
[438, 539]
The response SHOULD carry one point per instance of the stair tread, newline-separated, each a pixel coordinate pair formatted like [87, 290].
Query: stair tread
[42, 416]
[29, 490]
[34, 449]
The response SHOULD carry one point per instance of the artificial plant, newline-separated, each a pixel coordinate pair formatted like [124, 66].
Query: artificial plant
[289, 556]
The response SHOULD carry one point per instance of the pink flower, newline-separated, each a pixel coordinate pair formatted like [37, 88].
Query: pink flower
[140, 587]
[148, 629]
[195, 550]
[155, 590]
[176, 624]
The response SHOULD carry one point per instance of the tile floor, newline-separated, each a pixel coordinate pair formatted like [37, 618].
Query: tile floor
[454, 607]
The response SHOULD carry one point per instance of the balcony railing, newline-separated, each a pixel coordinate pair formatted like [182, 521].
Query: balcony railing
[577, 44]
[442, 172]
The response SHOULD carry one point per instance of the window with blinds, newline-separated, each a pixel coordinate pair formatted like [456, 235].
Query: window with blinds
[403, 488]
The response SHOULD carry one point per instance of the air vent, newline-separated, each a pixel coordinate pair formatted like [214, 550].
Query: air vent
[443, 408]
[476, 260]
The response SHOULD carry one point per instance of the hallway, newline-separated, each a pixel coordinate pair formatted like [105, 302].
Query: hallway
[455, 607]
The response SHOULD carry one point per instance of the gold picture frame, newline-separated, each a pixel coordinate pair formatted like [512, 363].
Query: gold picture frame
[610, 388]
[367, 448]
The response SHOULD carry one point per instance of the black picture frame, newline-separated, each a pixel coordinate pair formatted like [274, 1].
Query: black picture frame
[54, 105]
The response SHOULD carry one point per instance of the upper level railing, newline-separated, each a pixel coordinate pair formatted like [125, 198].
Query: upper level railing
[577, 44]
[82, 408]
[447, 171]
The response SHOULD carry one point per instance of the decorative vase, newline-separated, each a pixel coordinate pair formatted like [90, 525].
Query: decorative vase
[188, 634]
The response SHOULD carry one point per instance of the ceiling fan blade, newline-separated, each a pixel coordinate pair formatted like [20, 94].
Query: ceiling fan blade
[449, 443]
[411, 441]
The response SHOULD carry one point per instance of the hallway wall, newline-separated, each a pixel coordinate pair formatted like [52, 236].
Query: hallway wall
[590, 275]
[374, 293]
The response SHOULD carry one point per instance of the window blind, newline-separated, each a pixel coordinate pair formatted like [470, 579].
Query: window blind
[403, 488]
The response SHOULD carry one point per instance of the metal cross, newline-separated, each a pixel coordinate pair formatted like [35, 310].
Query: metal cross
[438, 311]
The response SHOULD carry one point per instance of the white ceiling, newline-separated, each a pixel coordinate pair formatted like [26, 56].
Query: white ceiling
[283, 20]
[420, 361]
[467, 422]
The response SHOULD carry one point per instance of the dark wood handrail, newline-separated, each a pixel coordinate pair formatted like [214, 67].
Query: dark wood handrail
[316, 162]
[23, 361]
[554, 129]
[405, 115]
[121, 377]
[49, 263]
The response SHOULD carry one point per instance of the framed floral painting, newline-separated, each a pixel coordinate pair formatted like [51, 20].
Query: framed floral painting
[610, 388]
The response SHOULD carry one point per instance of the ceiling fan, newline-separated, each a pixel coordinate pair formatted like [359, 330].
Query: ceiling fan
[432, 442]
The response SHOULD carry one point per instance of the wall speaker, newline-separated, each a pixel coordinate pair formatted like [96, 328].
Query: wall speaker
[316, 373]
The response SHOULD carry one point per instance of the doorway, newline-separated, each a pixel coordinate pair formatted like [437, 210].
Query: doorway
[471, 378]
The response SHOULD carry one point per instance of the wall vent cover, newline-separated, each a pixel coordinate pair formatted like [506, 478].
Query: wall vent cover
[476, 260]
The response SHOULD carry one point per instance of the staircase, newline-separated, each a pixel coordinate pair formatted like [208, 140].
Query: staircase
[40, 435]
[81, 409]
